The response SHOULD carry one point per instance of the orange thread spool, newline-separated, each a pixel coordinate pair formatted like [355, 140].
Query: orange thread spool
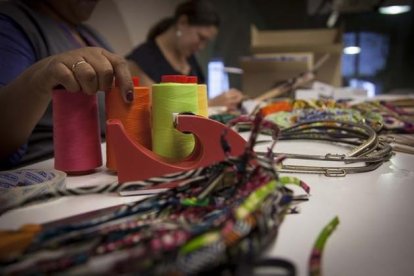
[134, 116]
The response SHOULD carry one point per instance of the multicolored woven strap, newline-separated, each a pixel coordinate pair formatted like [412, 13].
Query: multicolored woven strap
[223, 218]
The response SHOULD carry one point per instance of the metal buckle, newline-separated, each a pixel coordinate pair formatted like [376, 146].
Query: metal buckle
[335, 156]
[335, 172]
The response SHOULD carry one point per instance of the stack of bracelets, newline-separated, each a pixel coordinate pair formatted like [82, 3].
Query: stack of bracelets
[334, 123]
[219, 220]
[397, 115]
[397, 120]
[366, 147]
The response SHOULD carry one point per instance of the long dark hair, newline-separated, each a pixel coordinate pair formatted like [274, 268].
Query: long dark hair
[198, 12]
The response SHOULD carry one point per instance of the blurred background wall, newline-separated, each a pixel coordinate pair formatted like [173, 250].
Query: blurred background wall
[386, 41]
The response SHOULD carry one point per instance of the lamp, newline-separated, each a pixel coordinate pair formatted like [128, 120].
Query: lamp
[352, 50]
[394, 6]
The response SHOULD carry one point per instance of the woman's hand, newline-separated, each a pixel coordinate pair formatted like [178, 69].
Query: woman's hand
[24, 100]
[88, 69]
[230, 99]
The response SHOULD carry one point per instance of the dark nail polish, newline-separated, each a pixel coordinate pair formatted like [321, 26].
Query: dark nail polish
[130, 96]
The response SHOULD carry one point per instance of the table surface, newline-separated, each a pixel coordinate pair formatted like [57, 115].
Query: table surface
[375, 235]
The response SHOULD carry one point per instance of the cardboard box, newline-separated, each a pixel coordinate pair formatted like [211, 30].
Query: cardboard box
[260, 73]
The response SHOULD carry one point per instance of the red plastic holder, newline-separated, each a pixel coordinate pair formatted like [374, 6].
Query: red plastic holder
[136, 162]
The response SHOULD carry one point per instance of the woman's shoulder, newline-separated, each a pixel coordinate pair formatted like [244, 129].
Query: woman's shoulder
[146, 54]
[147, 47]
[150, 60]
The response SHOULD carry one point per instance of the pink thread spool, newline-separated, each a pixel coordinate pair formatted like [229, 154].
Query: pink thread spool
[76, 132]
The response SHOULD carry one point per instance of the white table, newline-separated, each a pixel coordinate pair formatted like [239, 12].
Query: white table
[376, 211]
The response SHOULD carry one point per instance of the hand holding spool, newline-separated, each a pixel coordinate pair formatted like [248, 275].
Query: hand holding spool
[75, 115]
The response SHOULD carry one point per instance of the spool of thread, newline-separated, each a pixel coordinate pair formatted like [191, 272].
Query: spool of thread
[202, 100]
[76, 132]
[173, 95]
[202, 96]
[201, 90]
[134, 116]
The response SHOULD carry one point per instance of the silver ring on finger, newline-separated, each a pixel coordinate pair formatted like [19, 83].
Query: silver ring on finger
[76, 64]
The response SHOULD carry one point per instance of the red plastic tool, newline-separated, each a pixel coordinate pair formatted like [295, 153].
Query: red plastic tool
[136, 162]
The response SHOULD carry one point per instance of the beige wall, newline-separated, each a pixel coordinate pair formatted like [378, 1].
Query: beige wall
[125, 23]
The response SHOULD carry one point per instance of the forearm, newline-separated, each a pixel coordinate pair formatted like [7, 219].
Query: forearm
[24, 100]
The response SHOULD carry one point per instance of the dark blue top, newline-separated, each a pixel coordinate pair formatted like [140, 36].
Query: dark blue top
[15, 50]
[150, 59]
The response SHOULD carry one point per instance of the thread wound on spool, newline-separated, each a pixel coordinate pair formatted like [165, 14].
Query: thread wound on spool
[134, 116]
[202, 100]
[201, 90]
[76, 132]
[169, 98]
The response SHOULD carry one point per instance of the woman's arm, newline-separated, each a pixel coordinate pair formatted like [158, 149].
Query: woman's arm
[230, 99]
[24, 100]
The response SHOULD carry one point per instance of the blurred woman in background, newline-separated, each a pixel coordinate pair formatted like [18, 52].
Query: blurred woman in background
[171, 46]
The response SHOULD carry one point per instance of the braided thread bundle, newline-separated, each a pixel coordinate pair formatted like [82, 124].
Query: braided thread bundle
[228, 214]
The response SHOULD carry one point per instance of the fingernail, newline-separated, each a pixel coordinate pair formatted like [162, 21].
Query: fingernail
[130, 96]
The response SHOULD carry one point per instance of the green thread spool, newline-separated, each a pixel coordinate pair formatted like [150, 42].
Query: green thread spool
[167, 99]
